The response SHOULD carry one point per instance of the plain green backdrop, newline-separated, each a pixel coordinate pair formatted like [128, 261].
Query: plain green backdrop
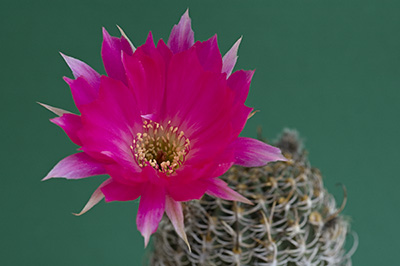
[330, 69]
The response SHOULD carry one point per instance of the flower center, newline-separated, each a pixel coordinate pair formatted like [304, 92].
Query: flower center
[161, 147]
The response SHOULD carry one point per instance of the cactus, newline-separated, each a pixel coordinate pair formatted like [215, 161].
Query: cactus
[294, 220]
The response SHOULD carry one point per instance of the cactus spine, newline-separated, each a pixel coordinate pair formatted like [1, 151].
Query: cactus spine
[294, 220]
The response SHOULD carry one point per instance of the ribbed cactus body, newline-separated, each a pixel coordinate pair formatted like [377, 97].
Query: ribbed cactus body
[294, 220]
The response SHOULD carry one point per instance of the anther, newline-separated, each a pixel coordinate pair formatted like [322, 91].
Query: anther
[162, 149]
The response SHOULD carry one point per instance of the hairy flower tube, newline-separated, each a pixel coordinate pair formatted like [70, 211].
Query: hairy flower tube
[163, 124]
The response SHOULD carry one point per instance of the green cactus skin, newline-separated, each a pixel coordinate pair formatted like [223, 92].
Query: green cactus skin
[294, 220]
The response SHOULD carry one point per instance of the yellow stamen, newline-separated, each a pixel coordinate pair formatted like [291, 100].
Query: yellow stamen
[160, 147]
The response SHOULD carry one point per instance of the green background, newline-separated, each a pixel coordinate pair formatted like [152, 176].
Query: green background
[330, 69]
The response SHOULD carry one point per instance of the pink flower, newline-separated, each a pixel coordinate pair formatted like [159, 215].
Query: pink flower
[163, 124]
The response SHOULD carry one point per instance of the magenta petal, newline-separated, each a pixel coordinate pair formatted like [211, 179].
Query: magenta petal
[76, 166]
[82, 91]
[220, 189]
[109, 122]
[164, 51]
[230, 58]
[115, 105]
[209, 54]
[253, 153]
[175, 215]
[114, 145]
[182, 35]
[180, 191]
[96, 197]
[163, 124]
[146, 71]
[240, 116]
[111, 52]
[239, 82]
[223, 163]
[126, 173]
[115, 191]
[197, 99]
[151, 210]
[70, 123]
[81, 69]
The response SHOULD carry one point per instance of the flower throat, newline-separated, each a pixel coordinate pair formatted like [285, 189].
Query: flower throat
[163, 148]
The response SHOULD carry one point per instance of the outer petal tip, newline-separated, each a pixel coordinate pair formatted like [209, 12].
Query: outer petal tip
[220, 189]
[182, 35]
[185, 16]
[175, 215]
[96, 197]
[55, 110]
[151, 210]
[126, 38]
[244, 200]
[283, 158]
[65, 57]
[111, 51]
[187, 242]
[146, 233]
[105, 32]
[106, 35]
[146, 239]
[80, 68]
[252, 113]
[230, 58]
[76, 166]
[253, 153]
